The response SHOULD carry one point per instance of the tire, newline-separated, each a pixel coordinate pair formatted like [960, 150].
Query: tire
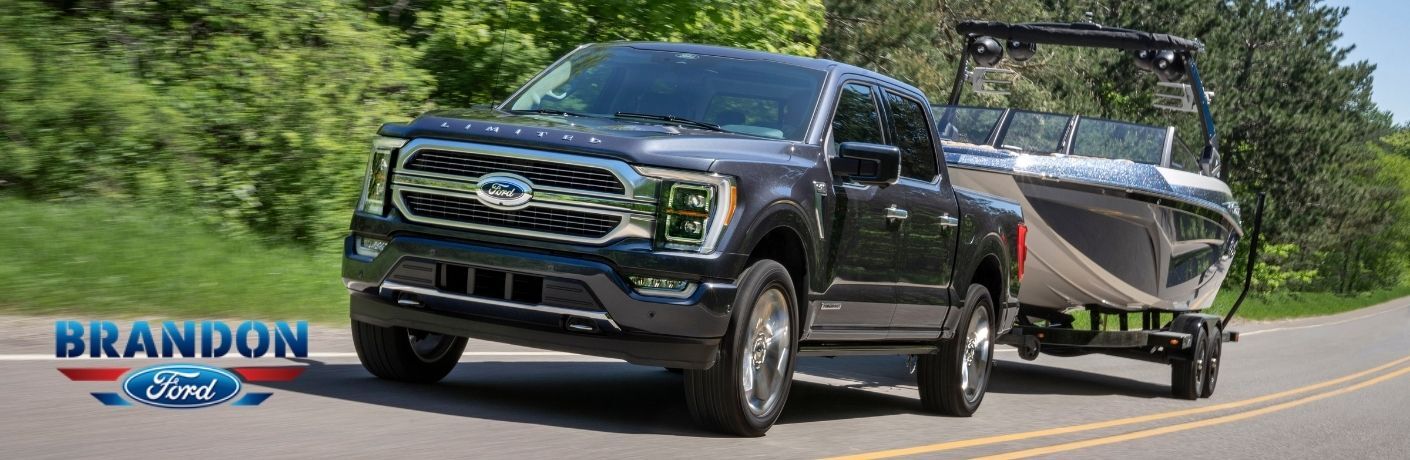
[954, 380]
[406, 355]
[674, 370]
[1187, 377]
[760, 347]
[1215, 350]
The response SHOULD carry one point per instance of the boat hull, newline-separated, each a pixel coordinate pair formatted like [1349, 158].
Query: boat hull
[1112, 246]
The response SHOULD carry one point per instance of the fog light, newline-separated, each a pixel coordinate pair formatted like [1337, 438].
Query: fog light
[368, 247]
[662, 286]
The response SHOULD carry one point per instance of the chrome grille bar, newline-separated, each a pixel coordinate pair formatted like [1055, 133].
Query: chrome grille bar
[574, 198]
[539, 172]
[549, 220]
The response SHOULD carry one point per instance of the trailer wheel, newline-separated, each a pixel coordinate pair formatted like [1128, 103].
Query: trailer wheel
[954, 380]
[1187, 377]
[1215, 348]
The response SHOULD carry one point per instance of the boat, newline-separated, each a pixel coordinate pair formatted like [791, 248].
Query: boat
[1121, 216]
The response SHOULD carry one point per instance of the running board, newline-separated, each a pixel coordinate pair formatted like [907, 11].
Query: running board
[865, 350]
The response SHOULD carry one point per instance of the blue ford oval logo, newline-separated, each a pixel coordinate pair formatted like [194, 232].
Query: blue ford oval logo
[504, 191]
[181, 386]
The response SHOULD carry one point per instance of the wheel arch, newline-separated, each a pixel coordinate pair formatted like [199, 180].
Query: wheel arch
[782, 235]
[991, 266]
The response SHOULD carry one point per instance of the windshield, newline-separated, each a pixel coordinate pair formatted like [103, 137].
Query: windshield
[757, 98]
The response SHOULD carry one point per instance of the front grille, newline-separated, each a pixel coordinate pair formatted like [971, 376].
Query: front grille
[470, 210]
[540, 173]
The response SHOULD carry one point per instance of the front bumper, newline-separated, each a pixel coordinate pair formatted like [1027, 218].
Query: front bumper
[586, 305]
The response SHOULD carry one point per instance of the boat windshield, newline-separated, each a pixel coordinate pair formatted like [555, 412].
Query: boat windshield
[1035, 132]
[1048, 133]
[752, 97]
[971, 125]
[1118, 140]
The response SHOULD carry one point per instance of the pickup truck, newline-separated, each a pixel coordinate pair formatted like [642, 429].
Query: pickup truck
[699, 208]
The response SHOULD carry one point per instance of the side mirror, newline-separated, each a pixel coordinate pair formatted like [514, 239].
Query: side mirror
[872, 164]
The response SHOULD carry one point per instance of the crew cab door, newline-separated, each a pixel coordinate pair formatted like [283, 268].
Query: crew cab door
[928, 235]
[861, 297]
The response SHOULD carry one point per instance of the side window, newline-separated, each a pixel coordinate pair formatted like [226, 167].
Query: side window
[857, 118]
[912, 137]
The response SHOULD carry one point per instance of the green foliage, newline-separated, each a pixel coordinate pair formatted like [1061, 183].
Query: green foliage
[481, 50]
[1271, 273]
[257, 116]
[99, 258]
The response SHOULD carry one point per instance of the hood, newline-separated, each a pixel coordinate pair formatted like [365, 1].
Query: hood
[630, 141]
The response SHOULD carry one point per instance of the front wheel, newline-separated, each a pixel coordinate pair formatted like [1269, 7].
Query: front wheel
[744, 392]
[953, 381]
[407, 355]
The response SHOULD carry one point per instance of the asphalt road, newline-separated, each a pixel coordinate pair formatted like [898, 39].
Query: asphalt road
[1318, 388]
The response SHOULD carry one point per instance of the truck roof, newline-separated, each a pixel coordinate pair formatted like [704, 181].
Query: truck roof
[822, 65]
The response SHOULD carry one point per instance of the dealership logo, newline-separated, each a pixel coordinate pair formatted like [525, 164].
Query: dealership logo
[503, 191]
[181, 385]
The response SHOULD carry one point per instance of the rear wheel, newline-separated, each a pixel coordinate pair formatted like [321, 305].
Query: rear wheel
[744, 392]
[1187, 377]
[953, 381]
[407, 355]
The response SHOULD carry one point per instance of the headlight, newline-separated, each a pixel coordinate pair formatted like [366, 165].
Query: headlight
[374, 185]
[695, 208]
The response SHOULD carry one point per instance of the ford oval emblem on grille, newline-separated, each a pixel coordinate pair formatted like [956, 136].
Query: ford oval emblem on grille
[504, 191]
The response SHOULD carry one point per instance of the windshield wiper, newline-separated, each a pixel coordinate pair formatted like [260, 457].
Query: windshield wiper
[672, 119]
[551, 112]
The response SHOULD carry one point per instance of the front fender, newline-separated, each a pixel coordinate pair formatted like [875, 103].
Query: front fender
[780, 214]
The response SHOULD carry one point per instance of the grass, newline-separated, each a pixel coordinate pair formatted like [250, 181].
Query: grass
[113, 261]
[1302, 304]
[107, 260]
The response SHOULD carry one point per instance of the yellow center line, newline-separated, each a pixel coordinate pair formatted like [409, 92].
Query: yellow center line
[1195, 424]
[987, 440]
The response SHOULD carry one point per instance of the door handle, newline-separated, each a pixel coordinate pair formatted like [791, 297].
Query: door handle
[947, 221]
[894, 213]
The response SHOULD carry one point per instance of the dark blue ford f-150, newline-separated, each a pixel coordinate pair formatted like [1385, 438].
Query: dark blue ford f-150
[705, 209]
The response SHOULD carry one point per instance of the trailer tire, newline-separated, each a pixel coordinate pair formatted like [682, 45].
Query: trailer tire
[1214, 350]
[1187, 377]
[947, 379]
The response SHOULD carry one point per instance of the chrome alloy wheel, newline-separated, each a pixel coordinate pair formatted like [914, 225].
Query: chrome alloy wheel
[429, 346]
[764, 364]
[974, 373]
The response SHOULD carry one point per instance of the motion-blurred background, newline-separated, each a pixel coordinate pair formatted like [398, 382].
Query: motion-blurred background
[190, 158]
